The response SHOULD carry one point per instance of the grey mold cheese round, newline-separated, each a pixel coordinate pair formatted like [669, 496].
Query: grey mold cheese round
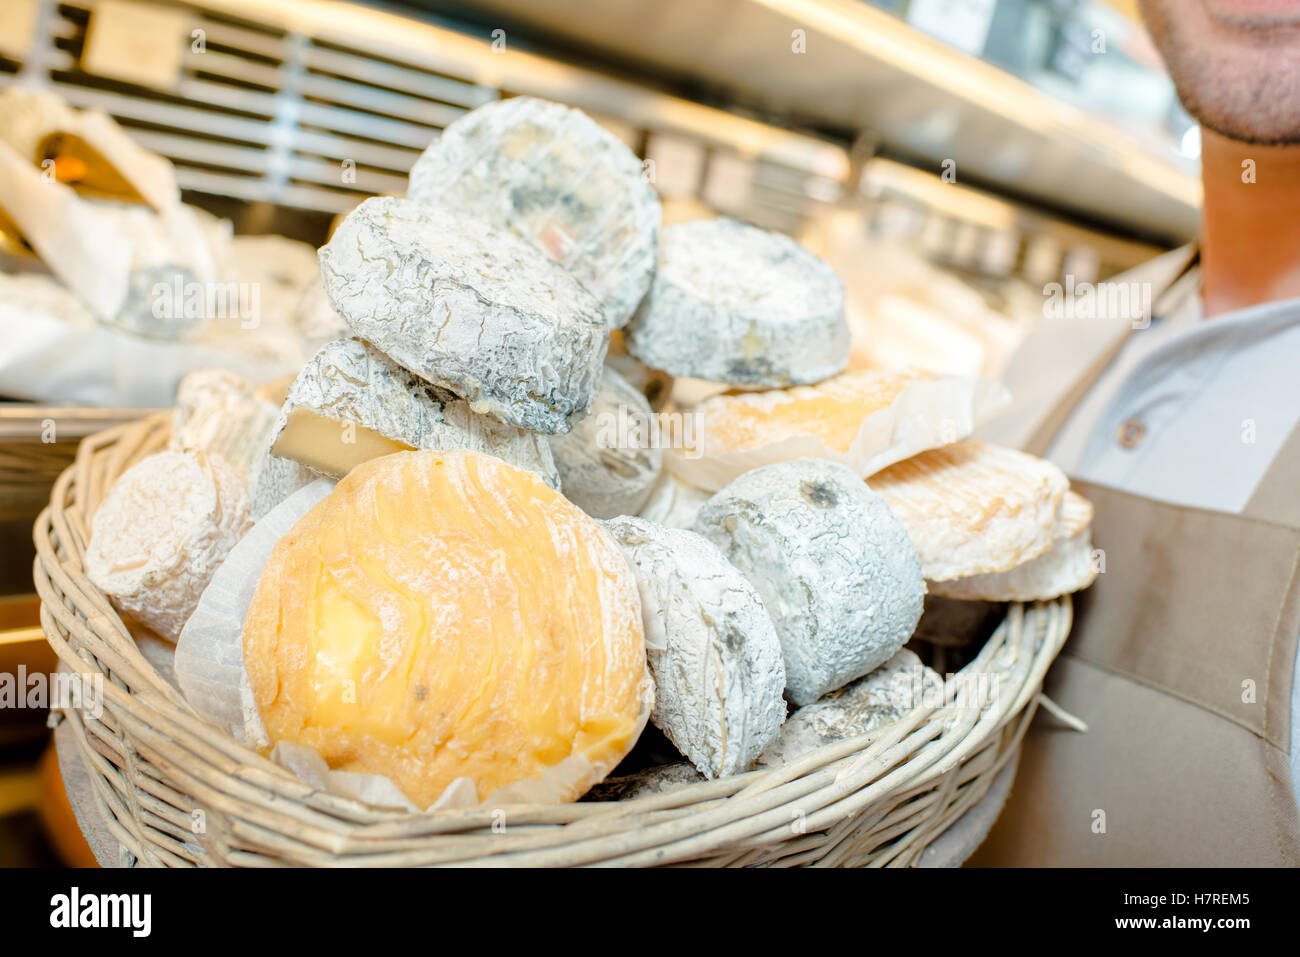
[836, 569]
[608, 463]
[469, 307]
[710, 644]
[741, 305]
[557, 177]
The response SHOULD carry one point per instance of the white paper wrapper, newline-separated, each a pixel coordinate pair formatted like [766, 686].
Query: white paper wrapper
[209, 661]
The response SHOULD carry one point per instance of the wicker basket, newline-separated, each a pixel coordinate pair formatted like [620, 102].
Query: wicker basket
[175, 790]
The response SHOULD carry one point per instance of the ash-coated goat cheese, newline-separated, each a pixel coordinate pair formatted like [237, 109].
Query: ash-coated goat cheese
[471, 308]
[162, 531]
[711, 646]
[608, 463]
[737, 304]
[836, 569]
[351, 403]
[555, 176]
[869, 704]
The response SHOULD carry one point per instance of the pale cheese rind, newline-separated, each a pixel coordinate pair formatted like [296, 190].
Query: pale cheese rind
[273, 479]
[469, 307]
[444, 616]
[217, 413]
[736, 304]
[162, 531]
[836, 569]
[608, 462]
[1068, 566]
[872, 703]
[555, 176]
[867, 420]
[351, 402]
[973, 508]
[712, 648]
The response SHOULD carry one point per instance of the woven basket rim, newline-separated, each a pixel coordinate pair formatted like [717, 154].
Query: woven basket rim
[154, 762]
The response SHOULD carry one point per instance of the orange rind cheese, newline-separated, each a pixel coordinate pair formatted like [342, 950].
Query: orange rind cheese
[867, 420]
[444, 616]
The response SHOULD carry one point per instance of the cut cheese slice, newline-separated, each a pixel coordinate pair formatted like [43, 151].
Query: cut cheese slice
[445, 616]
[1068, 566]
[552, 174]
[351, 403]
[834, 566]
[471, 308]
[974, 508]
[712, 647]
[867, 420]
[736, 304]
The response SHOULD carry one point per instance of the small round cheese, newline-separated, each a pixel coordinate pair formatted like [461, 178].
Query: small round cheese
[555, 176]
[444, 616]
[161, 532]
[836, 569]
[736, 304]
[469, 307]
[973, 508]
[609, 461]
[711, 645]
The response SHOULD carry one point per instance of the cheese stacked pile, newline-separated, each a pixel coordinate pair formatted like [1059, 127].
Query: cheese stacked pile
[454, 611]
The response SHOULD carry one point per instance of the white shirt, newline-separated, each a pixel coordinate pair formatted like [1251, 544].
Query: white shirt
[1213, 402]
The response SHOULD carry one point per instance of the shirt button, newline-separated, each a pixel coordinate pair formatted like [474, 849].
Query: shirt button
[1131, 433]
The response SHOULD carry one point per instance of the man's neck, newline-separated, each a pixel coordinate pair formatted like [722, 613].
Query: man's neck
[1250, 232]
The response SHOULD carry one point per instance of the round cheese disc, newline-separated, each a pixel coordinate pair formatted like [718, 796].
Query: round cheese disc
[973, 508]
[836, 570]
[736, 304]
[469, 307]
[554, 175]
[160, 534]
[1066, 567]
[711, 644]
[444, 616]
[609, 461]
[868, 420]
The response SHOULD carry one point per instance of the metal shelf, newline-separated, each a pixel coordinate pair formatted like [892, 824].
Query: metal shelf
[864, 70]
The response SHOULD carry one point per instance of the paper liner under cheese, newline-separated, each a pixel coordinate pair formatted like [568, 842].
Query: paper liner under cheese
[973, 509]
[1064, 568]
[444, 615]
[866, 420]
[210, 653]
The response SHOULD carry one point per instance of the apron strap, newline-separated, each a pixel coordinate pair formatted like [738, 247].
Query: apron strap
[1277, 496]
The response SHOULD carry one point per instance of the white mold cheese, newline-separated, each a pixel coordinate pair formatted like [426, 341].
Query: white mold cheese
[836, 569]
[710, 644]
[555, 176]
[471, 308]
[736, 304]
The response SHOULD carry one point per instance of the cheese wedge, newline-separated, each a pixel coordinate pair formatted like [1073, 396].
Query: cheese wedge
[867, 420]
[1066, 567]
[974, 508]
[444, 616]
[351, 403]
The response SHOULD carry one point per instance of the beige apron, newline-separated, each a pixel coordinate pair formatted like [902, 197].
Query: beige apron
[1180, 662]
